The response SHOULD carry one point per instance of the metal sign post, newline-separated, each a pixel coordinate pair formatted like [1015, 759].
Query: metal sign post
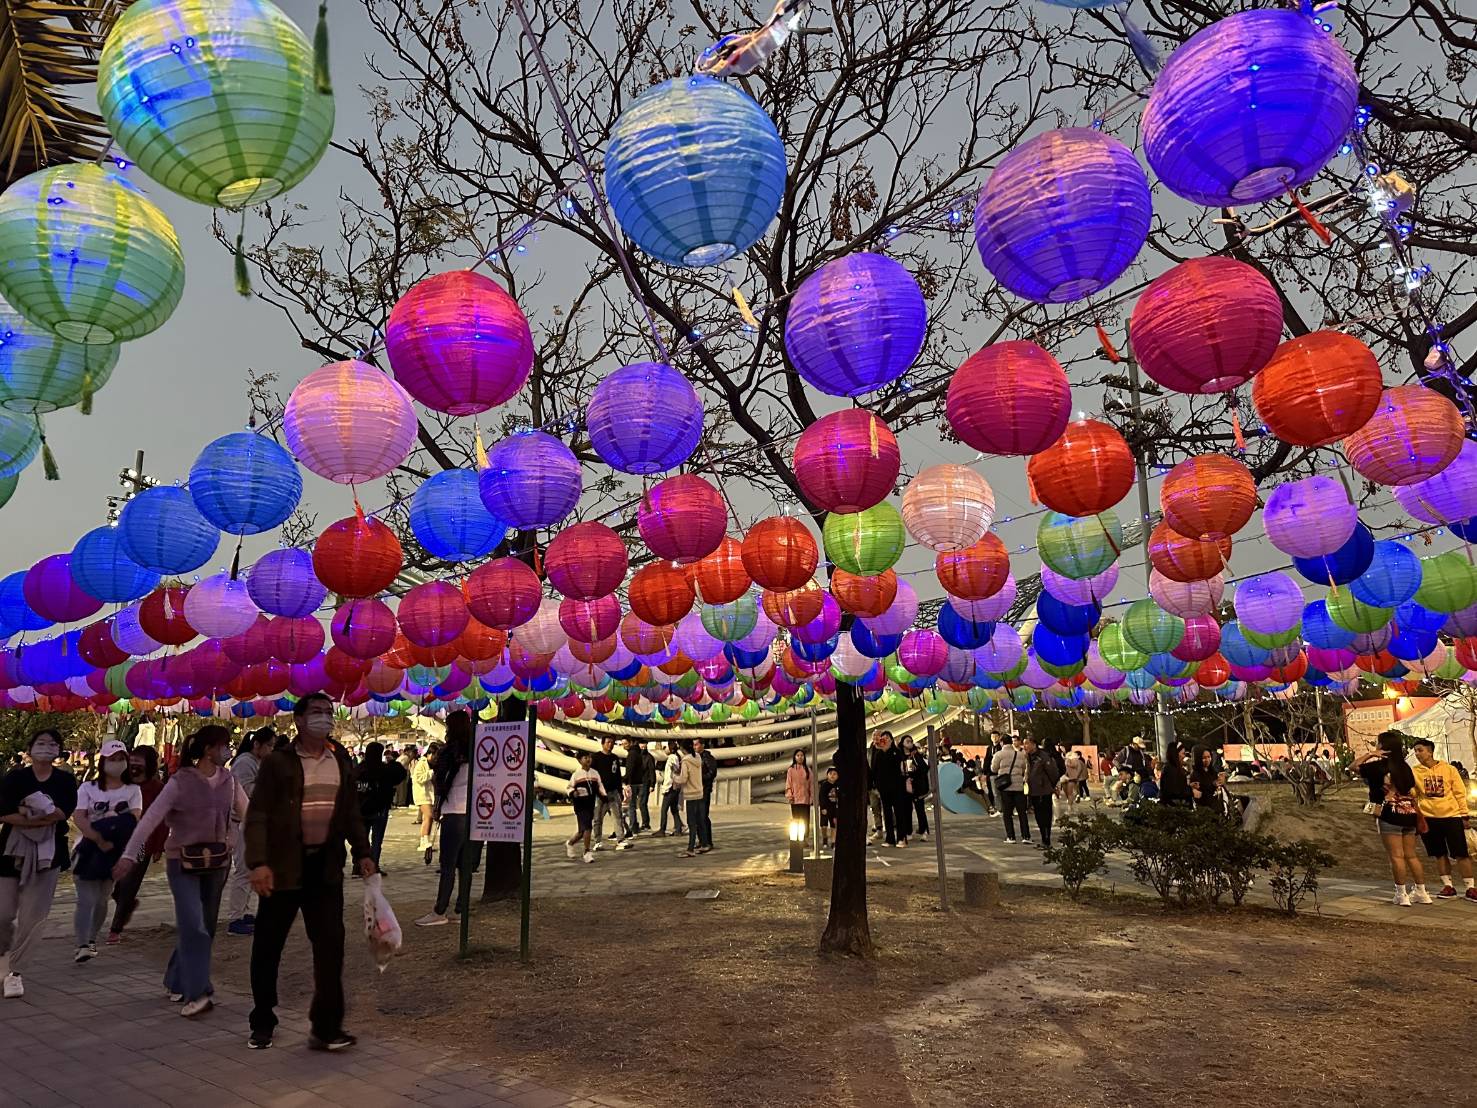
[815, 792]
[528, 840]
[938, 818]
[499, 798]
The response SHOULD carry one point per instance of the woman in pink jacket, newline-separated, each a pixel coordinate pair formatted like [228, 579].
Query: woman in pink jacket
[799, 789]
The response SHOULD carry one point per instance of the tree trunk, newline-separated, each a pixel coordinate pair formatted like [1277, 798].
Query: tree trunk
[502, 868]
[847, 930]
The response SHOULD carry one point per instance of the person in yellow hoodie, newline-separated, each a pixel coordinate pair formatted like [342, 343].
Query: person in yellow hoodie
[1441, 795]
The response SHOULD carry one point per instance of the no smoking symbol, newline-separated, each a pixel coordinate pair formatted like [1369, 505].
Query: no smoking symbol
[513, 801]
[486, 804]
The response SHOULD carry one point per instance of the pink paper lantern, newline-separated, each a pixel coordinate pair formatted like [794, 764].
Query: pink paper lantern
[364, 628]
[1202, 639]
[948, 507]
[459, 343]
[433, 613]
[590, 621]
[1186, 599]
[990, 609]
[847, 461]
[349, 422]
[220, 606]
[295, 641]
[586, 561]
[682, 519]
[899, 615]
[1079, 591]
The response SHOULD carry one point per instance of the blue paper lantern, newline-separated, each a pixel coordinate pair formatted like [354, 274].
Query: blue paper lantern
[644, 418]
[532, 480]
[102, 570]
[282, 583]
[450, 520]
[1392, 578]
[961, 631]
[813, 652]
[1058, 650]
[1319, 629]
[1414, 617]
[1067, 619]
[695, 171]
[244, 483]
[1240, 651]
[161, 529]
[1249, 107]
[1344, 564]
[855, 324]
[1410, 645]
[15, 613]
[873, 646]
[1063, 215]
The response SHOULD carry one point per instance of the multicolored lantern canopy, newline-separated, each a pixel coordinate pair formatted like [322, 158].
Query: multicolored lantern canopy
[214, 99]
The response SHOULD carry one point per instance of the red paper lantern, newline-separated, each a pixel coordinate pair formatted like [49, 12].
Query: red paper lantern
[660, 593]
[97, 647]
[1212, 673]
[846, 461]
[503, 594]
[480, 643]
[682, 518]
[1466, 652]
[433, 656]
[721, 578]
[1086, 471]
[1318, 388]
[433, 613]
[161, 616]
[1206, 326]
[363, 628]
[1209, 496]
[586, 561]
[780, 553]
[1414, 433]
[1292, 671]
[976, 572]
[344, 667]
[676, 665]
[590, 620]
[358, 556]
[1181, 558]
[251, 646]
[383, 678]
[295, 641]
[864, 596]
[399, 653]
[1009, 398]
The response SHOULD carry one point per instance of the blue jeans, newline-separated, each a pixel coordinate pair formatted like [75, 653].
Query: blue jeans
[197, 905]
[638, 806]
[92, 907]
[375, 826]
[695, 823]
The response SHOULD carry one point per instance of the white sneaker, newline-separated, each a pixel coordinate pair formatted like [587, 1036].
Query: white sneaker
[14, 987]
[85, 953]
[175, 998]
[599, 845]
[196, 1007]
[1010, 840]
[431, 919]
[924, 836]
[1420, 896]
[589, 855]
[624, 844]
[570, 852]
[1402, 899]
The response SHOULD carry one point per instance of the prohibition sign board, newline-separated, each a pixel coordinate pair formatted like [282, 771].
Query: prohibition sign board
[498, 770]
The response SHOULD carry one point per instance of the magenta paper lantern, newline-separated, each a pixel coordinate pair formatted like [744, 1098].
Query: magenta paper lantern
[52, 594]
[1206, 326]
[433, 613]
[823, 626]
[590, 621]
[349, 422]
[644, 418]
[252, 647]
[363, 628]
[1009, 398]
[1079, 591]
[899, 615]
[586, 561]
[846, 461]
[532, 480]
[1186, 599]
[1202, 639]
[459, 343]
[682, 519]
[283, 583]
[295, 641]
[1448, 497]
[923, 653]
[1310, 517]
[1269, 603]
[219, 607]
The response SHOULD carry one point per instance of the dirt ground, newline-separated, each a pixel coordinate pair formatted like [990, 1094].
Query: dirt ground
[1337, 821]
[1040, 1001]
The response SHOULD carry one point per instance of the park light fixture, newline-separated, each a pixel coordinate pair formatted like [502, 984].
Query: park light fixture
[797, 846]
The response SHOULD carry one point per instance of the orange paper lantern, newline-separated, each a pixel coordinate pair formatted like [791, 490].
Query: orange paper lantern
[1181, 558]
[976, 572]
[1086, 471]
[1209, 496]
[721, 578]
[865, 596]
[794, 607]
[780, 553]
[1414, 433]
[660, 593]
[1318, 388]
[357, 557]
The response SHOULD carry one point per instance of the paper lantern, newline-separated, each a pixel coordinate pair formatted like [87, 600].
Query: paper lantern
[855, 324]
[1448, 497]
[433, 613]
[87, 256]
[40, 372]
[681, 518]
[973, 572]
[459, 343]
[20, 439]
[7, 488]
[1342, 565]
[694, 171]
[282, 582]
[948, 507]
[793, 607]
[532, 480]
[1209, 496]
[296, 641]
[220, 606]
[586, 561]
[1318, 388]
[864, 596]
[357, 556]
[162, 530]
[660, 594]
[900, 614]
[349, 422]
[129, 635]
[1062, 215]
[449, 519]
[244, 483]
[1269, 603]
[846, 461]
[53, 594]
[1087, 470]
[1414, 434]
[1392, 577]
[503, 594]
[1079, 547]
[644, 418]
[731, 622]
[1009, 398]
[161, 616]
[588, 621]
[1309, 517]
[214, 99]
[1448, 584]
[923, 653]
[864, 543]
[1352, 614]
[1248, 107]
[1149, 629]
[720, 577]
[1186, 599]
[103, 571]
[780, 553]
[1183, 559]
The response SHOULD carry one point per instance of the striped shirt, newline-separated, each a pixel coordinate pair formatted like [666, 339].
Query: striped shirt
[320, 791]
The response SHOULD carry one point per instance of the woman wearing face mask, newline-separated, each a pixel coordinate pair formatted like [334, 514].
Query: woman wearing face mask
[108, 807]
[35, 803]
[143, 771]
[203, 806]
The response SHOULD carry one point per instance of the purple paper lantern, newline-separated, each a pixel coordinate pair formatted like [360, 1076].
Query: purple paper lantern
[1063, 215]
[899, 615]
[283, 583]
[532, 480]
[51, 592]
[1269, 604]
[855, 324]
[220, 606]
[989, 610]
[1003, 652]
[1448, 497]
[1311, 517]
[644, 418]
[1079, 591]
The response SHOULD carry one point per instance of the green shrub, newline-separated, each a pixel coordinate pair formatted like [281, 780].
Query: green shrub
[1295, 867]
[1081, 848]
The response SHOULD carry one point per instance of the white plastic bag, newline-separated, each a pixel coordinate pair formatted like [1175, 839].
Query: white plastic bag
[381, 927]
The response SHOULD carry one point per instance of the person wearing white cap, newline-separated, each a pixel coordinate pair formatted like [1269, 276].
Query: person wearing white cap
[108, 808]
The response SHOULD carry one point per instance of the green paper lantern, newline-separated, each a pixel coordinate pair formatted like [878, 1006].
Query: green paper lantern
[40, 373]
[1116, 652]
[1448, 583]
[750, 710]
[1079, 546]
[1352, 614]
[115, 678]
[865, 543]
[1072, 669]
[1451, 669]
[1272, 642]
[84, 254]
[1149, 629]
[20, 438]
[720, 713]
[7, 488]
[214, 99]
[730, 622]
[896, 703]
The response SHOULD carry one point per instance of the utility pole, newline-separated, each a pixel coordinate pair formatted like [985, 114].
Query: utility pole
[133, 481]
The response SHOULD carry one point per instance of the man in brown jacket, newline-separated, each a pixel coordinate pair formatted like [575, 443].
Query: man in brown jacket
[304, 808]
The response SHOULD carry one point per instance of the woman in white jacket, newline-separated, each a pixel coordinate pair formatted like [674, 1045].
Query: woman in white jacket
[423, 794]
[672, 790]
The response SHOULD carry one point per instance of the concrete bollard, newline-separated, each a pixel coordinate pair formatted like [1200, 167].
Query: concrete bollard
[818, 874]
[981, 888]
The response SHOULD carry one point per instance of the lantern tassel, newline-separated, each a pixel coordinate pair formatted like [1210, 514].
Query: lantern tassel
[87, 387]
[1309, 218]
[481, 451]
[1144, 51]
[872, 445]
[321, 77]
[1236, 430]
[243, 275]
[1031, 487]
[1109, 350]
[743, 305]
[358, 508]
[48, 459]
